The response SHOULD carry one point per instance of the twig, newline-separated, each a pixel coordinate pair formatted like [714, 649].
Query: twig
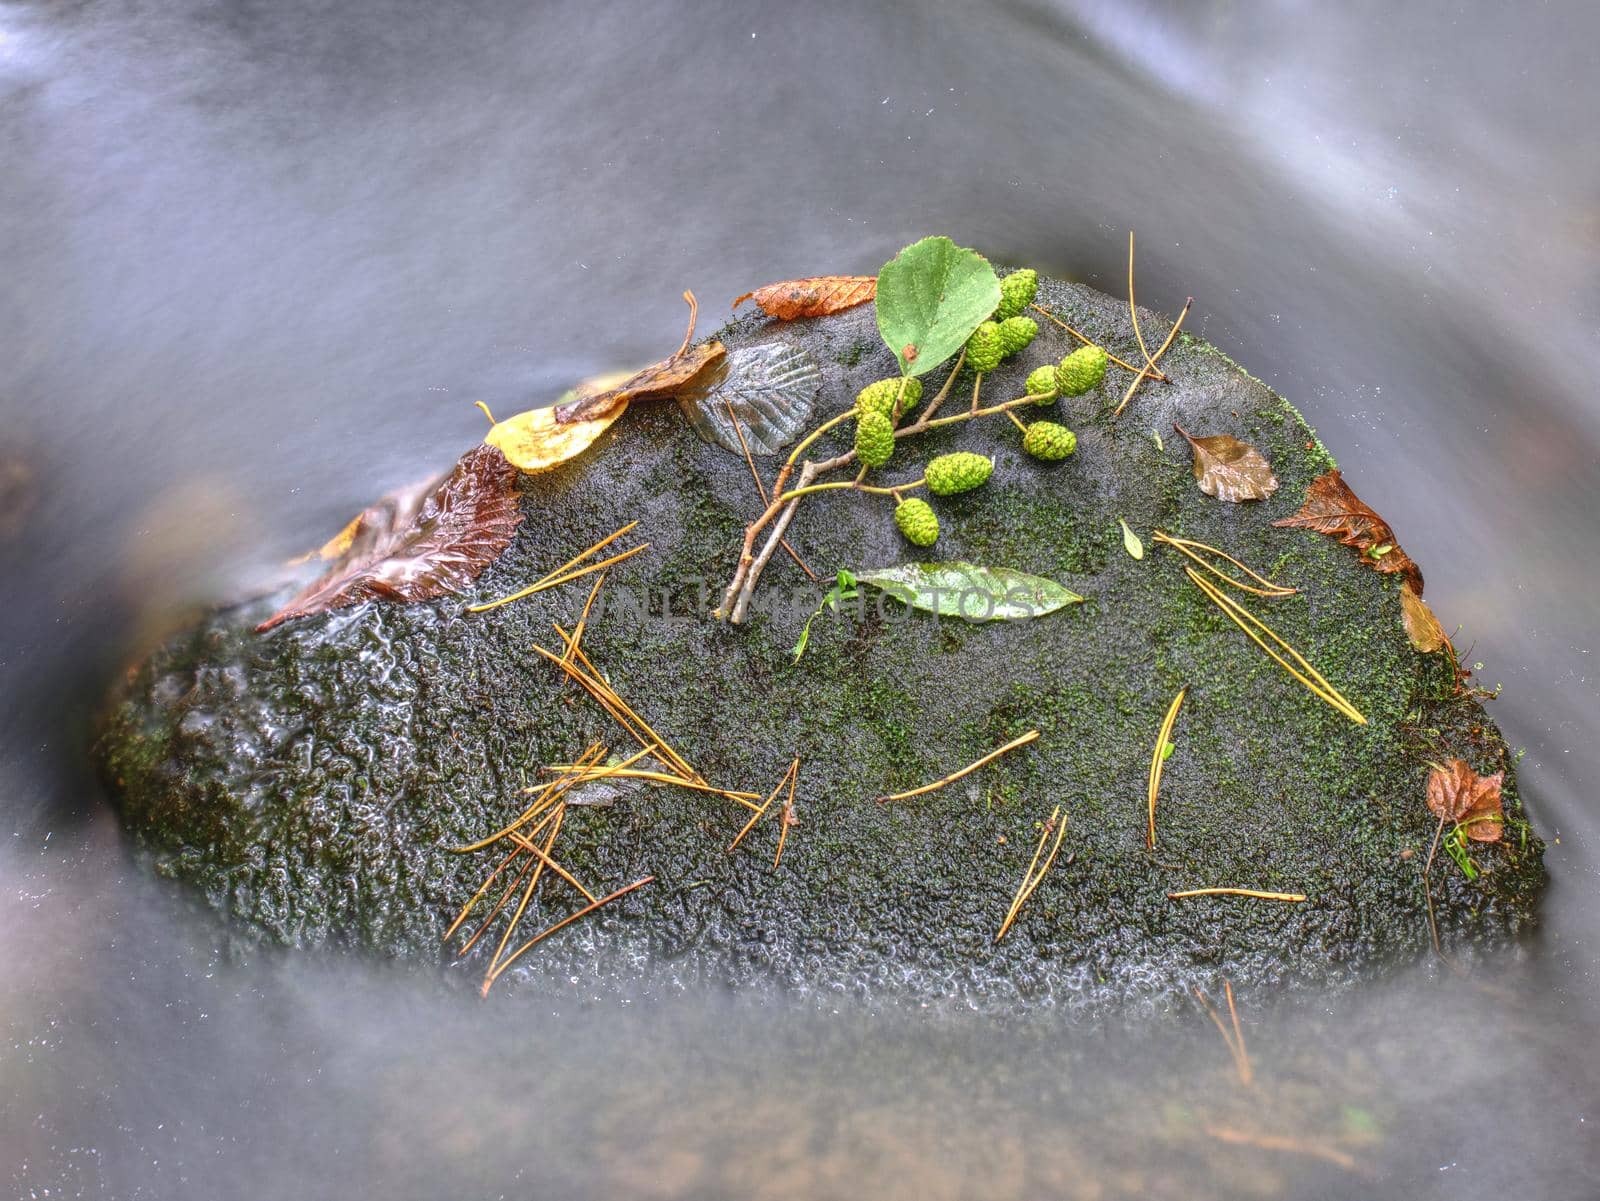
[568, 920]
[1427, 890]
[1030, 880]
[1244, 619]
[1157, 761]
[967, 770]
[933, 405]
[1237, 892]
[1144, 371]
[855, 486]
[1088, 341]
[761, 489]
[1187, 546]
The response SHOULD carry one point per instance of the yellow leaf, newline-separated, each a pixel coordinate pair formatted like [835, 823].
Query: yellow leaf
[537, 441]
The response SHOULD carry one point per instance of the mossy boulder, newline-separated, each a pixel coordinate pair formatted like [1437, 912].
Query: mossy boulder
[310, 781]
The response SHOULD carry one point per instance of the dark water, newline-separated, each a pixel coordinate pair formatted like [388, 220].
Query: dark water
[257, 260]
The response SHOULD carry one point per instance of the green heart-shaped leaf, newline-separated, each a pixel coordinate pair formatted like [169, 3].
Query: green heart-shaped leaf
[931, 296]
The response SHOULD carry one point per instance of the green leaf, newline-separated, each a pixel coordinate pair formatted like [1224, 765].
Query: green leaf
[969, 591]
[1166, 751]
[1130, 541]
[931, 296]
[844, 588]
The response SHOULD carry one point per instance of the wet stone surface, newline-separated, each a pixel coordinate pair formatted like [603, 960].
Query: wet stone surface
[309, 782]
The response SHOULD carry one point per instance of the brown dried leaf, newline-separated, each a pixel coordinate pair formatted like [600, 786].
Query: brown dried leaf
[814, 297]
[1422, 627]
[1460, 795]
[655, 382]
[1331, 508]
[420, 543]
[1229, 469]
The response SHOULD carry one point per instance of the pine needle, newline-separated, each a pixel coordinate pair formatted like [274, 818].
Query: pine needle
[1187, 546]
[765, 805]
[786, 818]
[747, 799]
[1245, 620]
[496, 972]
[967, 770]
[543, 860]
[761, 489]
[550, 794]
[1234, 1040]
[1157, 761]
[1294, 897]
[560, 574]
[1030, 880]
[1088, 341]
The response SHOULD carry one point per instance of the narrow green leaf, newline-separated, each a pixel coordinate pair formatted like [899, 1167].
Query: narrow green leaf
[931, 296]
[844, 588]
[969, 591]
[1130, 541]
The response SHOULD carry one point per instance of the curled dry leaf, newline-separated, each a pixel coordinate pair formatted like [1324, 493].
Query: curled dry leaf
[814, 297]
[1460, 795]
[539, 439]
[656, 381]
[1422, 627]
[1331, 508]
[420, 543]
[1229, 469]
[771, 389]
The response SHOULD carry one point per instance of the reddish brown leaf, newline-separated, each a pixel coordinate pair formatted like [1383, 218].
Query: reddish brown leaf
[1229, 469]
[814, 297]
[1460, 795]
[1422, 627]
[655, 382]
[1331, 508]
[420, 543]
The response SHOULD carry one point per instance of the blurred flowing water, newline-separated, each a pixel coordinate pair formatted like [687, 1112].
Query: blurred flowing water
[257, 260]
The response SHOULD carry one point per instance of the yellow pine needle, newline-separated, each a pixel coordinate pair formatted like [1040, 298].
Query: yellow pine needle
[533, 849]
[1032, 879]
[1088, 341]
[967, 770]
[618, 708]
[583, 618]
[623, 712]
[1144, 372]
[554, 581]
[747, 799]
[551, 793]
[505, 897]
[1292, 897]
[544, 580]
[765, 805]
[1157, 761]
[484, 887]
[544, 860]
[1235, 1040]
[1244, 619]
[495, 972]
[786, 818]
[1187, 546]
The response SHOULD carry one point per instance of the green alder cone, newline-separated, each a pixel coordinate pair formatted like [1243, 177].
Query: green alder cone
[880, 397]
[917, 521]
[1081, 370]
[985, 348]
[1042, 383]
[1015, 334]
[1016, 293]
[959, 472]
[1049, 441]
[874, 439]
